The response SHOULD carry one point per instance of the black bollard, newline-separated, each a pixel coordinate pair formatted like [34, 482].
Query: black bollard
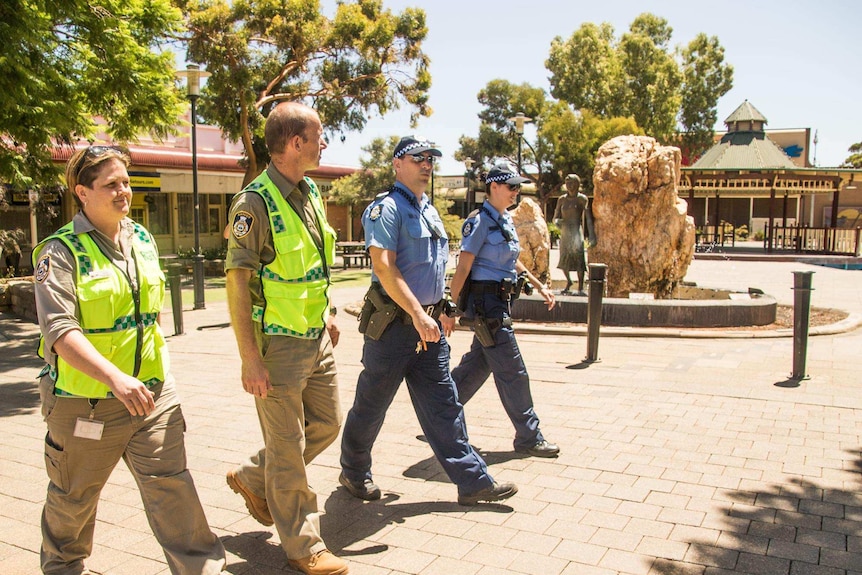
[198, 277]
[801, 316]
[175, 285]
[594, 310]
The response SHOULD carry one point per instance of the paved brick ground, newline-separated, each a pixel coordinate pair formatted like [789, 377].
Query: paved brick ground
[679, 456]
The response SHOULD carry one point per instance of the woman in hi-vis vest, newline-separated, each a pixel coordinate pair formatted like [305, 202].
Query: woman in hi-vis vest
[106, 389]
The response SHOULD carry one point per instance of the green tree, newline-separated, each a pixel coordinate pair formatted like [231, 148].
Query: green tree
[260, 52]
[639, 76]
[576, 138]
[497, 139]
[375, 175]
[854, 160]
[705, 79]
[587, 71]
[565, 141]
[652, 76]
[64, 63]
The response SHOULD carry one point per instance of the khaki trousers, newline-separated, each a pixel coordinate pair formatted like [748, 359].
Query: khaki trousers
[299, 418]
[154, 451]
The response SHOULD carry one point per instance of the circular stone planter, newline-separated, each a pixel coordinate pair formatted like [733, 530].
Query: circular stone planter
[697, 307]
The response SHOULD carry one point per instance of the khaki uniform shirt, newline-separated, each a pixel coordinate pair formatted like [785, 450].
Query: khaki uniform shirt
[56, 294]
[256, 248]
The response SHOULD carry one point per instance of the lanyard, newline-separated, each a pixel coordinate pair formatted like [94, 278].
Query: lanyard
[435, 231]
[507, 235]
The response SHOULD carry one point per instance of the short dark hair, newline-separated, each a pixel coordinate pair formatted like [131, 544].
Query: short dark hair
[286, 120]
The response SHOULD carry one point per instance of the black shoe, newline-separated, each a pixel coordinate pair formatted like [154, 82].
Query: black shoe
[366, 490]
[541, 449]
[496, 492]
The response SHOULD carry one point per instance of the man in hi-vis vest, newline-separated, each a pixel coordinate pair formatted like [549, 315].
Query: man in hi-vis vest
[280, 251]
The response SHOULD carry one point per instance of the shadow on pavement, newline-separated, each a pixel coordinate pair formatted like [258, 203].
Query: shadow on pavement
[349, 520]
[429, 469]
[798, 527]
[18, 398]
[260, 557]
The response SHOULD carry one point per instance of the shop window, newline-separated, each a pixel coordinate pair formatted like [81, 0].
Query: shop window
[158, 214]
[210, 210]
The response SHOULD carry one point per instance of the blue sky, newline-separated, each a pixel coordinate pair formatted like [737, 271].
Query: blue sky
[797, 62]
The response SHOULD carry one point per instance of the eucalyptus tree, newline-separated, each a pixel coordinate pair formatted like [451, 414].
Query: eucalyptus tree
[364, 60]
[63, 64]
[639, 75]
[564, 141]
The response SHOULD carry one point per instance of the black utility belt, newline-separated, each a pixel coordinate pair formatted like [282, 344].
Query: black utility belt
[507, 290]
[485, 287]
[435, 310]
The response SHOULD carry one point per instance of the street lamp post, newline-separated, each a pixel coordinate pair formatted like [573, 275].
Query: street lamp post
[468, 181]
[520, 119]
[193, 75]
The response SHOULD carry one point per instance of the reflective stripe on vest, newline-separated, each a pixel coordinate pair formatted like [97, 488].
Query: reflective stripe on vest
[124, 332]
[295, 285]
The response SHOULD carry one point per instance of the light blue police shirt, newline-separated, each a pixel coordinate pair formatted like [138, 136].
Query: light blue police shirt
[414, 231]
[482, 236]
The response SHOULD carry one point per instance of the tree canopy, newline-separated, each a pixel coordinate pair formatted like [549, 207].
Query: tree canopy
[260, 52]
[64, 63]
[639, 75]
[375, 175]
[854, 160]
[565, 141]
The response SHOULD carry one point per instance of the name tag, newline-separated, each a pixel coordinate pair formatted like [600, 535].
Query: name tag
[89, 428]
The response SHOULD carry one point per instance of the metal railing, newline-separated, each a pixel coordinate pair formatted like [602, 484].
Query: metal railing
[803, 239]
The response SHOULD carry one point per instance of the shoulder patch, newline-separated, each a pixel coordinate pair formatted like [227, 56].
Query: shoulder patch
[374, 213]
[467, 229]
[43, 268]
[242, 223]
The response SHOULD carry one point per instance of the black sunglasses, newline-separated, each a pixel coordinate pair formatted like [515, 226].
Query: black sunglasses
[514, 187]
[94, 152]
[419, 158]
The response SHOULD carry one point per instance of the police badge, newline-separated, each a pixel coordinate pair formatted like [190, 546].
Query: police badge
[467, 229]
[242, 223]
[43, 266]
[374, 213]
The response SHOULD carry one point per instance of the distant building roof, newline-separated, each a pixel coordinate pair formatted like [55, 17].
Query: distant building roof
[745, 112]
[745, 145]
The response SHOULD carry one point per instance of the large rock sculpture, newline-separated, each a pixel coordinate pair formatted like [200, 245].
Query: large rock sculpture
[644, 235]
[535, 239]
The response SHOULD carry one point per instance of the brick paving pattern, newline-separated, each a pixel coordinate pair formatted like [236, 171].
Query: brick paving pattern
[679, 456]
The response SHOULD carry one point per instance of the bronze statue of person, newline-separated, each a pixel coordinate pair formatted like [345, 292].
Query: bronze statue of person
[571, 216]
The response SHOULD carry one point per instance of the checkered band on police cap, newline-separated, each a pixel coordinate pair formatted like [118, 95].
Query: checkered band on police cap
[413, 145]
[504, 172]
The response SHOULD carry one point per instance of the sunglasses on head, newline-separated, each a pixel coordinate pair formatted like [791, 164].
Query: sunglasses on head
[94, 152]
[419, 158]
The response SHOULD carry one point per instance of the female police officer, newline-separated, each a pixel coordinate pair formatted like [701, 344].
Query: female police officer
[488, 271]
[107, 392]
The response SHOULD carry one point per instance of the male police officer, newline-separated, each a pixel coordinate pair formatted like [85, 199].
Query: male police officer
[403, 341]
[279, 254]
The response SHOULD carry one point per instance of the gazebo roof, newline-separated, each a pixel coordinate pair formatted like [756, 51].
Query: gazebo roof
[745, 145]
[745, 112]
[744, 150]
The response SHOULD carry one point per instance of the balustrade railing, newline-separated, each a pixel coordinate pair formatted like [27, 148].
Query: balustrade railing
[803, 239]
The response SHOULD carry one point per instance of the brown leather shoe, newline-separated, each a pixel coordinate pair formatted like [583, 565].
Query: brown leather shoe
[256, 506]
[321, 563]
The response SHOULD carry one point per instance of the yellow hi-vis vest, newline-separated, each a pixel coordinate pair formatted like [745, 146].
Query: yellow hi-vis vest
[295, 285]
[120, 322]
